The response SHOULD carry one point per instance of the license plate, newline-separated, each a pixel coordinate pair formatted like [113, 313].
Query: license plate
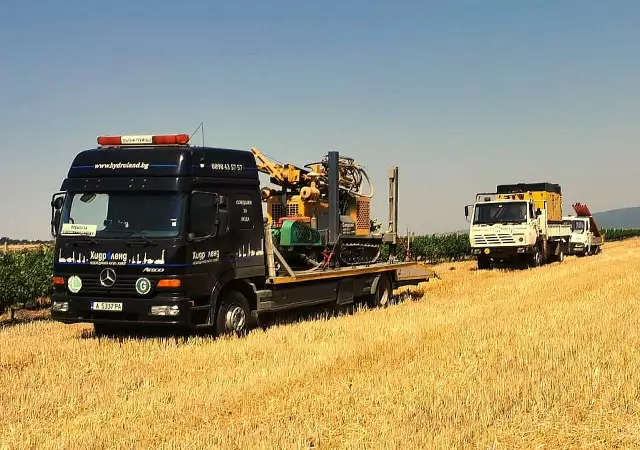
[106, 306]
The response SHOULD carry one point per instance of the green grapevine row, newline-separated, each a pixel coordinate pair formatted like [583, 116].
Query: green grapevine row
[617, 234]
[25, 275]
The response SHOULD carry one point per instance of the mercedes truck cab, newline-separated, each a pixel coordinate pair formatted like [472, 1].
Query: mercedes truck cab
[150, 230]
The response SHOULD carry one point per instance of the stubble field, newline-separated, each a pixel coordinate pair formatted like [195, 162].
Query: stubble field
[502, 359]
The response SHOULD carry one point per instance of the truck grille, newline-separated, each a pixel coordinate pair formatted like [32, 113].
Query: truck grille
[125, 285]
[493, 239]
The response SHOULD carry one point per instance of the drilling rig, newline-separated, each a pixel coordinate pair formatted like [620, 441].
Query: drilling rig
[320, 215]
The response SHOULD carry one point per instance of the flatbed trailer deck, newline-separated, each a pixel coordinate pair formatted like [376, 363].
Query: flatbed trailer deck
[406, 272]
[373, 284]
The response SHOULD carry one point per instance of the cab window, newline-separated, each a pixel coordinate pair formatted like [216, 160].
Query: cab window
[205, 209]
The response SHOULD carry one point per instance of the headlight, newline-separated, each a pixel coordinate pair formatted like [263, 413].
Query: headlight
[164, 310]
[60, 306]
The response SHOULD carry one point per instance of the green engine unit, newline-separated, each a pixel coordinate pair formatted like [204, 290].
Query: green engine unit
[295, 233]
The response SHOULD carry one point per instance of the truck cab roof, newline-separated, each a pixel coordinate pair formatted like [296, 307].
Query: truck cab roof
[495, 198]
[163, 161]
[156, 162]
[525, 187]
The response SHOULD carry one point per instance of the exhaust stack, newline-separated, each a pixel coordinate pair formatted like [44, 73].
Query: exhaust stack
[334, 212]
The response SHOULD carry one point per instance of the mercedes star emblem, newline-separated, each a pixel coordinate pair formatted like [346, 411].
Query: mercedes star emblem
[107, 277]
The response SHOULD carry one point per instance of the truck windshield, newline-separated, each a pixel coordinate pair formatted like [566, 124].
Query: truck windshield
[577, 226]
[505, 212]
[118, 214]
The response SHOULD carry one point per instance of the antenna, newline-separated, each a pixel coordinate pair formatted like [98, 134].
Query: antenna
[199, 127]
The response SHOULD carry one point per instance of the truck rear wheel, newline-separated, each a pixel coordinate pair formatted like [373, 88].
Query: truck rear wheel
[382, 295]
[233, 315]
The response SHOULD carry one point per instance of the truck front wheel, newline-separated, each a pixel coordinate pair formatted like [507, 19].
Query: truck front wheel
[536, 258]
[484, 263]
[233, 315]
[560, 255]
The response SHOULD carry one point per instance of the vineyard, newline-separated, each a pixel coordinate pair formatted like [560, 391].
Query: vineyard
[25, 271]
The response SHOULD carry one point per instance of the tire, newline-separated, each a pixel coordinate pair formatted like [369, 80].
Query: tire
[536, 258]
[381, 298]
[233, 315]
[560, 256]
[484, 263]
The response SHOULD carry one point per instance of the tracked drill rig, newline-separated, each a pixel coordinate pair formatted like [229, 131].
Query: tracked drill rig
[321, 212]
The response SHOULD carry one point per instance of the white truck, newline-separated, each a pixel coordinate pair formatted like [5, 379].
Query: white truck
[518, 223]
[586, 237]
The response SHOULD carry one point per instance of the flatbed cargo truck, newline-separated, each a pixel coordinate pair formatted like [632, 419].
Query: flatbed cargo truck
[518, 223]
[150, 230]
[586, 237]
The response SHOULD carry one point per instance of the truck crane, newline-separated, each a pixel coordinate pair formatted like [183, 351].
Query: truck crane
[586, 237]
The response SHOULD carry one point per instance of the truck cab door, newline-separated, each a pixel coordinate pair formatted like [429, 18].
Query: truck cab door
[208, 225]
[542, 218]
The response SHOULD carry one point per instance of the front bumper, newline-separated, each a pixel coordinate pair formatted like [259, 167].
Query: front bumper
[502, 252]
[135, 311]
[577, 247]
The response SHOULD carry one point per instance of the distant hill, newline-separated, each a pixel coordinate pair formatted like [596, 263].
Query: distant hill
[619, 218]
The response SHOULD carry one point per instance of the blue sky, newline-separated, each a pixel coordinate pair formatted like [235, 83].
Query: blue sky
[461, 95]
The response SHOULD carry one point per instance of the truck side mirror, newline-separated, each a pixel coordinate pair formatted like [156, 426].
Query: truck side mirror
[57, 200]
[538, 212]
[466, 213]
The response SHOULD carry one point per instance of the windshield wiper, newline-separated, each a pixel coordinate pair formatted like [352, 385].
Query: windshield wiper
[141, 240]
[119, 231]
[87, 239]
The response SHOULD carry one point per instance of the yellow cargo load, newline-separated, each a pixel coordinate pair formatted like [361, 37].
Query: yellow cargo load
[545, 196]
